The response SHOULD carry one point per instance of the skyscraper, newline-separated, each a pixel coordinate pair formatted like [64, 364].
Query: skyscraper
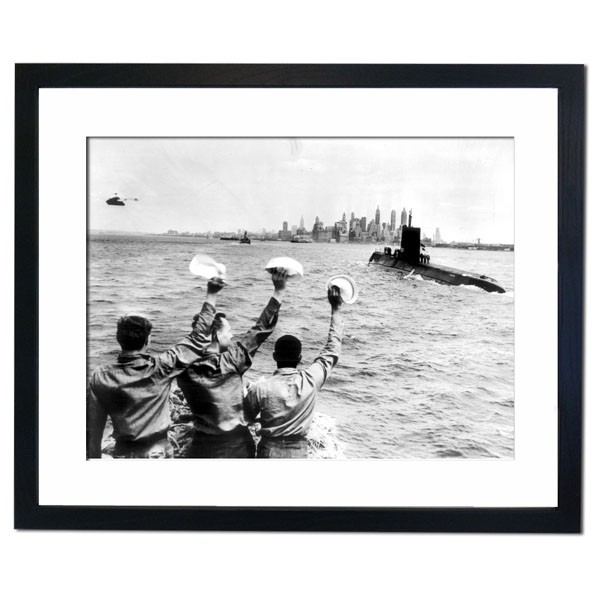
[377, 215]
[352, 216]
[373, 227]
[302, 222]
[403, 217]
[363, 223]
[393, 221]
[285, 234]
[318, 226]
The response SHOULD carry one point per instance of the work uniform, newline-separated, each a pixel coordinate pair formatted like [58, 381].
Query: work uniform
[214, 390]
[134, 391]
[285, 402]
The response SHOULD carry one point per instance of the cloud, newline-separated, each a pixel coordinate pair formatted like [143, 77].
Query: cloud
[226, 184]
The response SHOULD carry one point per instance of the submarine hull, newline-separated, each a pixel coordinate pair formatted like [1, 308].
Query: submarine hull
[439, 273]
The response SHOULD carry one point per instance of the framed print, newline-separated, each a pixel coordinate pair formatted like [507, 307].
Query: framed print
[375, 271]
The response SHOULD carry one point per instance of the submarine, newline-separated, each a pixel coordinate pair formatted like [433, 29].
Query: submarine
[412, 259]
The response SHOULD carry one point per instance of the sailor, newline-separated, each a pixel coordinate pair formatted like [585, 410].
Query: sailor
[214, 389]
[134, 391]
[285, 402]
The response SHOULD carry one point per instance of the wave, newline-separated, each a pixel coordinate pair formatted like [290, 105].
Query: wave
[420, 364]
[449, 453]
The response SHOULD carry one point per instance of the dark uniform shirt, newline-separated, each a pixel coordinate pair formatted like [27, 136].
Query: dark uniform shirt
[134, 391]
[213, 386]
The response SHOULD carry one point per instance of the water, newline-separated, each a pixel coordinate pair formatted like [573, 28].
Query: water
[427, 370]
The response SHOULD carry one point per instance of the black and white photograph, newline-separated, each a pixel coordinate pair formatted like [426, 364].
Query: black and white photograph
[303, 298]
[394, 192]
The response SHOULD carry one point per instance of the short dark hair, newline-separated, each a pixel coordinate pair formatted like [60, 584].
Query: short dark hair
[133, 332]
[217, 324]
[288, 351]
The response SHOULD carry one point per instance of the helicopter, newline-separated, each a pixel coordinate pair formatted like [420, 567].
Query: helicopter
[117, 201]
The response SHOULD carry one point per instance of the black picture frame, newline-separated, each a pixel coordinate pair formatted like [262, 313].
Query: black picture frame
[569, 80]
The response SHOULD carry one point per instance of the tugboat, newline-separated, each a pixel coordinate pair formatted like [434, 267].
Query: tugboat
[301, 239]
[413, 259]
[245, 239]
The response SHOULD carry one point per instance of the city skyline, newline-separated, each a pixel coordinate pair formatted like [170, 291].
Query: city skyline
[463, 186]
[386, 232]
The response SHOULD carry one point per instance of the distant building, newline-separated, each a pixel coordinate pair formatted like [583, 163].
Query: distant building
[285, 234]
[377, 215]
[317, 229]
[363, 223]
[324, 235]
[354, 230]
[393, 221]
[403, 217]
[387, 233]
[341, 226]
[301, 230]
[372, 229]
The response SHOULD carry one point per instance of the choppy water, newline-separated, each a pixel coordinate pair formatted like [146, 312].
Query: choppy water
[427, 370]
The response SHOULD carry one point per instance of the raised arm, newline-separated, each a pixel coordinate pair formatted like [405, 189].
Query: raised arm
[95, 423]
[318, 372]
[178, 358]
[239, 356]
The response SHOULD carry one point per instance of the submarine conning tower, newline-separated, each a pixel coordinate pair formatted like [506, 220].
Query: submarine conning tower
[411, 242]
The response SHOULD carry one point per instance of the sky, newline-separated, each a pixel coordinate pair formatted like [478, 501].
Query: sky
[464, 186]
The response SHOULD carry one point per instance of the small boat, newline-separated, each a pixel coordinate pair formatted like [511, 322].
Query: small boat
[301, 239]
[245, 239]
